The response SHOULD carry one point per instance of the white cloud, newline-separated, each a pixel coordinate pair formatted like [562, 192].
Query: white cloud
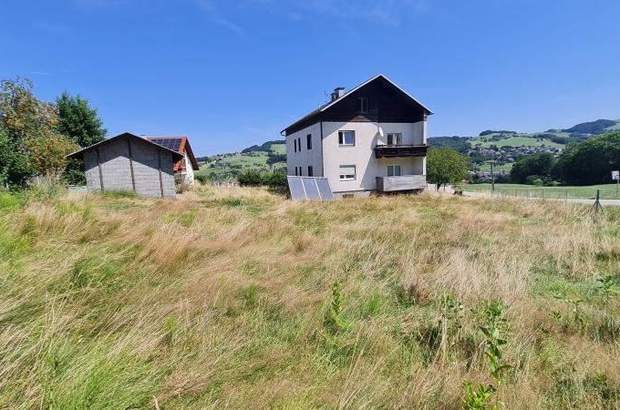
[211, 8]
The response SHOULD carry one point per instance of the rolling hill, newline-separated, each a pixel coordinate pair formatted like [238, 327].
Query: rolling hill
[506, 146]
[270, 156]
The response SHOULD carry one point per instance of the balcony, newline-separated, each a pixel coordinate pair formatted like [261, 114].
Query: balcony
[401, 183]
[395, 151]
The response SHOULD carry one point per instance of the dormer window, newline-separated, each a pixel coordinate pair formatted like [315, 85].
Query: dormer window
[363, 105]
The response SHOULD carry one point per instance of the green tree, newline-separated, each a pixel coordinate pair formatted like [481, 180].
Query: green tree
[589, 162]
[532, 166]
[32, 141]
[15, 166]
[79, 121]
[446, 166]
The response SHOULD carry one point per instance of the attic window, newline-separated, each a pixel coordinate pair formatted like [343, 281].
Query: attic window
[363, 105]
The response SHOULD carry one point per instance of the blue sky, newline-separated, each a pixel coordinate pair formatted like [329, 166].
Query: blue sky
[234, 73]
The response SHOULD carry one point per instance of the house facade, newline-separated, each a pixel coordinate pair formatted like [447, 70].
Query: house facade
[369, 139]
[130, 163]
[183, 168]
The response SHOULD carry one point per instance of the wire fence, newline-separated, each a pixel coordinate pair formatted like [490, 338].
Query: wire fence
[557, 193]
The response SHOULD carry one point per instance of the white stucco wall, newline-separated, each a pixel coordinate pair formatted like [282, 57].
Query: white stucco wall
[189, 170]
[362, 155]
[305, 157]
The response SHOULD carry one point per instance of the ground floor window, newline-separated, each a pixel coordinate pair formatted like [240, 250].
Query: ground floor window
[393, 171]
[310, 171]
[347, 172]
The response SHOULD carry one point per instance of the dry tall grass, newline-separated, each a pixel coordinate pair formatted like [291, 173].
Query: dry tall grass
[220, 299]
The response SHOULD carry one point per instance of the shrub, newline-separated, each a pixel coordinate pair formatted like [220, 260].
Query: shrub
[250, 177]
[203, 179]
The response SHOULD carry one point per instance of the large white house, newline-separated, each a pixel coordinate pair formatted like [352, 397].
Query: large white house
[370, 138]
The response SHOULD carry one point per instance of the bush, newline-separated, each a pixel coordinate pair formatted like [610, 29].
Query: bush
[252, 177]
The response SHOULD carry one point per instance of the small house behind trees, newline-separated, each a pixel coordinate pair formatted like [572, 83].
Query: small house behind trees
[130, 163]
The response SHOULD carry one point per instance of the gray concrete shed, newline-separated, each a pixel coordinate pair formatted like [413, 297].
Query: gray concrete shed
[130, 163]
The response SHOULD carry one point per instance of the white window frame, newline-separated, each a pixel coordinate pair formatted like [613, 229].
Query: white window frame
[394, 167]
[398, 135]
[309, 142]
[342, 139]
[347, 176]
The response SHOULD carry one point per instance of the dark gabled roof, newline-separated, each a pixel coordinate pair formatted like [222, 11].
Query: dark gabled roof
[179, 144]
[79, 153]
[316, 113]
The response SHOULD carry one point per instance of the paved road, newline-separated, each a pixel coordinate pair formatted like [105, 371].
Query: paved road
[604, 202]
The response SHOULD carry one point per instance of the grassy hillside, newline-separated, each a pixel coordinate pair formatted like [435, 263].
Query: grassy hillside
[266, 157]
[514, 141]
[238, 298]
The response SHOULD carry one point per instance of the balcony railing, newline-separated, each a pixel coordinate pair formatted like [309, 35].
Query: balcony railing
[401, 183]
[394, 151]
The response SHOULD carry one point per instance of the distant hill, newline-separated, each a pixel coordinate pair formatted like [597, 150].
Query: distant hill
[275, 146]
[594, 127]
[268, 156]
[505, 146]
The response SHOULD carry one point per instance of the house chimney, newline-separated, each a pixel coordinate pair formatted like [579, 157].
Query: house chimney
[337, 93]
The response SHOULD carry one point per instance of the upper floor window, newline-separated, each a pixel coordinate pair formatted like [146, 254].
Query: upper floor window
[295, 145]
[363, 105]
[395, 138]
[346, 138]
[309, 141]
[299, 143]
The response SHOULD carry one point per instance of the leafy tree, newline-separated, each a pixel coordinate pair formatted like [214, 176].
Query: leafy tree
[589, 162]
[446, 166]
[32, 141]
[15, 166]
[79, 121]
[48, 154]
[530, 167]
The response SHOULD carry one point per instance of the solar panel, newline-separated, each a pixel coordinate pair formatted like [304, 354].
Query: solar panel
[324, 189]
[309, 188]
[312, 191]
[170, 143]
[296, 188]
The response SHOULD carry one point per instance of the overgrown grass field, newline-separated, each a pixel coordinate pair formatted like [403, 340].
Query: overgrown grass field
[231, 297]
[607, 191]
